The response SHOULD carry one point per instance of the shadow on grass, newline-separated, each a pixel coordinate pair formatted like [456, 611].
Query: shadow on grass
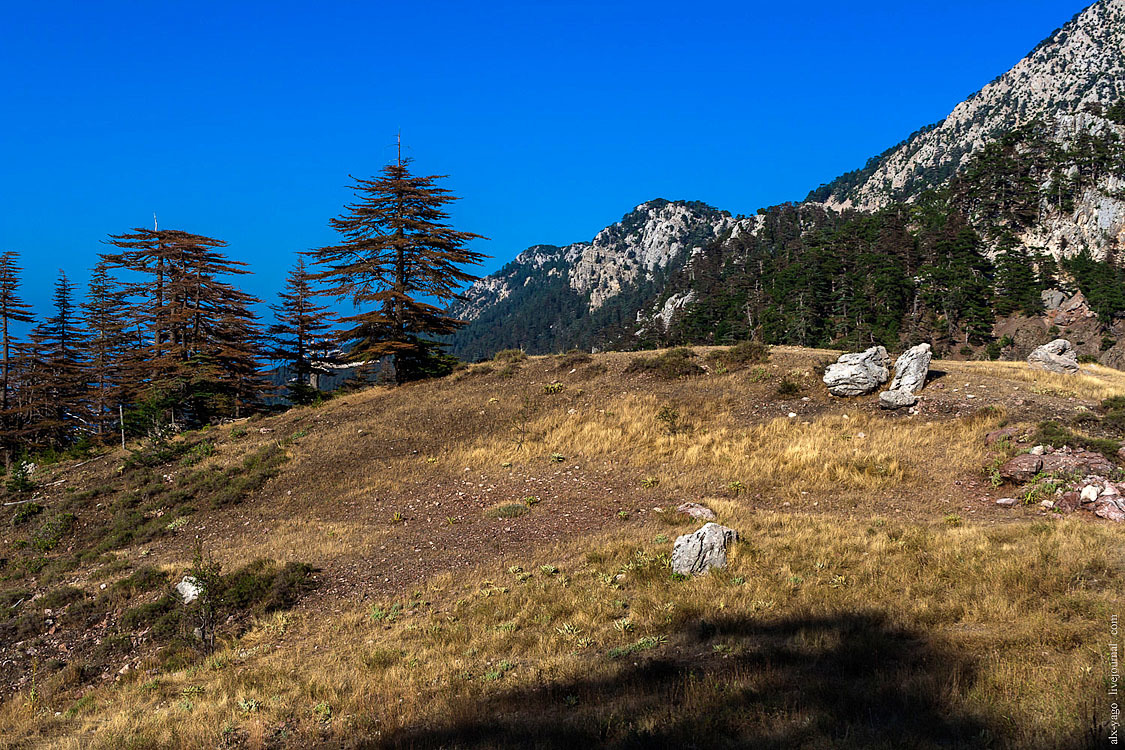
[847, 681]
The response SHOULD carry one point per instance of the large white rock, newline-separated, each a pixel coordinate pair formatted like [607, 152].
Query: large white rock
[1057, 356]
[189, 589]
[858, 374]
[702, 550]
[911, 369]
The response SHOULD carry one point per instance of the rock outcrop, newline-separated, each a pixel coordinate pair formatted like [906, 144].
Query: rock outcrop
[1072, 312]
[1057, 356]
[696, 553]
[1044, 459]
[911, 369]
[858, 374]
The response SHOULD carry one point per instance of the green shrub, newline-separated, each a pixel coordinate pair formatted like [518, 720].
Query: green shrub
[507, 510]
[740, 355]
[52, 530]
[1054, 434]
[146, 578]
[25, 513]
[60, 597]
[572, 359]
[509, 355]
[1114, 402]
[20, 480]
[671, 365]
[788, 388]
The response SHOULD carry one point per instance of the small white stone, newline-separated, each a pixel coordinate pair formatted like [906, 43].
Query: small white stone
[189, 589]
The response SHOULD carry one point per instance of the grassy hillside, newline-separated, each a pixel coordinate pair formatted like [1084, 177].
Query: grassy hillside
[483, 561]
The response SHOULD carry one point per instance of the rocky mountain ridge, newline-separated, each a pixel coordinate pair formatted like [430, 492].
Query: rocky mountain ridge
[1080, 64]
[1043, 145]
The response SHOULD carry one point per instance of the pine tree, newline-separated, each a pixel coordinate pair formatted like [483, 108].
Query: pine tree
[202, 337]
[1116, 113]
[56, 382]
[107, 353]
[12, 310]
[298, 336]
[1017, 287]
[398, 261]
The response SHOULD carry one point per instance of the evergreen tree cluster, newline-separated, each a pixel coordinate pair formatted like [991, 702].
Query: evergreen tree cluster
[165, 335]
[941, 268]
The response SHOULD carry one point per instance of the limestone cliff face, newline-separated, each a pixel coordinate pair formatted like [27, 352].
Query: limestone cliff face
[1082, 63]
[1097, 222]
[645, 241]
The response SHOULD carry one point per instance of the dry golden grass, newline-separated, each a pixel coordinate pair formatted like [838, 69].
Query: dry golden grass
[858, 452]
[1094, 382]
[837, 624]
[978, 630]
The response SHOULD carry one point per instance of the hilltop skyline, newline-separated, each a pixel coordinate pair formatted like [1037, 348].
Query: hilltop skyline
[551, 121]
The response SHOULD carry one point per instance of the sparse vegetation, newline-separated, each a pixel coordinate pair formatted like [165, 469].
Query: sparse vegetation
[670, 365]
[869, 560]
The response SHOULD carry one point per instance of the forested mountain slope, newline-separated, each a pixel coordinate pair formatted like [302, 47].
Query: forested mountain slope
[1020, 190]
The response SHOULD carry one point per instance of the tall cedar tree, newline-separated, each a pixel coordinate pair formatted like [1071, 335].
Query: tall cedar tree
[56, 386]
[12, 310]
[298, 336]
[107, 352]
[202, 342]
[398, 257]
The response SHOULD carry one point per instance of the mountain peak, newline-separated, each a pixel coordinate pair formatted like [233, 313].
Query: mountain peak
[1082, 63]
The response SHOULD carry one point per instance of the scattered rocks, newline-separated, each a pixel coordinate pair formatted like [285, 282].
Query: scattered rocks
[1057, 356]
[1007, 502]
[696, 511]
[911, 369]
[189, 589]
[896, 399]
[1103, 497]
[696, 553]
[858, 374]
[1073, 311]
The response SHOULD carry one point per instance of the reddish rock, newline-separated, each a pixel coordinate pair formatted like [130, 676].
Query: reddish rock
[1110, 508]
[997, 435]
[1069, 501]
[1022, 468]
[697, 511]
[1077, 462]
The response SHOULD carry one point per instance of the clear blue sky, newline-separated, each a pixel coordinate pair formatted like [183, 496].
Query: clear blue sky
[242, 120]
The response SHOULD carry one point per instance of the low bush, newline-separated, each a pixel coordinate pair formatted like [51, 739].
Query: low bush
[1054, 434]
[671, 365]
[740, 355]
[25, 513]
[507, 510]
